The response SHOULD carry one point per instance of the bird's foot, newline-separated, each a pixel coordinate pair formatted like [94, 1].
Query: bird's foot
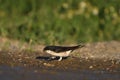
[60, 59]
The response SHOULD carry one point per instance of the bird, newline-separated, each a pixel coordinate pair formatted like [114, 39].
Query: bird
[60, 51]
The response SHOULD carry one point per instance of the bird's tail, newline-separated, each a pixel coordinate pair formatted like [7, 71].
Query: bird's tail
[78, 46]
[81, 45]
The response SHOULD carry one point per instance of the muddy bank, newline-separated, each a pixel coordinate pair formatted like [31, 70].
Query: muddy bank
[29, 67]
[40, 60]
[94, 56]
[95, 61]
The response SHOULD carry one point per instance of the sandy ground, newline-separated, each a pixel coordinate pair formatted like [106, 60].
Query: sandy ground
[94, 56]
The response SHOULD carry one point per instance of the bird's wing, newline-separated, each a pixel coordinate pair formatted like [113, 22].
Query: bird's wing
[59, 49]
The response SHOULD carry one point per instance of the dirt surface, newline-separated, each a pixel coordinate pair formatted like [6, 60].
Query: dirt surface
[72, 63]
[94, 56]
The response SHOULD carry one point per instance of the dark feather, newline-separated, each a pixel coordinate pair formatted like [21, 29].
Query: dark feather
[59, 49]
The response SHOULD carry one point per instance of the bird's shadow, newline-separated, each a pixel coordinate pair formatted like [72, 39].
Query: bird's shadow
[48, 58]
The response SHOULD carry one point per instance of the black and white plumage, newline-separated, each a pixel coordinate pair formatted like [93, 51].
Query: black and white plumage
[61, 51]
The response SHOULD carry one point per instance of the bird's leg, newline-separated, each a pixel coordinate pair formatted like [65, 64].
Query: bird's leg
[60, 59]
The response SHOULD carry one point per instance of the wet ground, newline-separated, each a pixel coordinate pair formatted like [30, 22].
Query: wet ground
[96, 61]
[20, 73]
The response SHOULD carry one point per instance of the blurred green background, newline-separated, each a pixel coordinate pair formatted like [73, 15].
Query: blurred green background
[60, 21]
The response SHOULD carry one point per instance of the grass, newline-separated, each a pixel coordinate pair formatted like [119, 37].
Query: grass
[60, 22]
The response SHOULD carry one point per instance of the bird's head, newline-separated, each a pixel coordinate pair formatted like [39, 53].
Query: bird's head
[47, 49]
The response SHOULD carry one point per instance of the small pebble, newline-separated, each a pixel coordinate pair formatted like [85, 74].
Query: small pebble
[49, 65]
[90, 67]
